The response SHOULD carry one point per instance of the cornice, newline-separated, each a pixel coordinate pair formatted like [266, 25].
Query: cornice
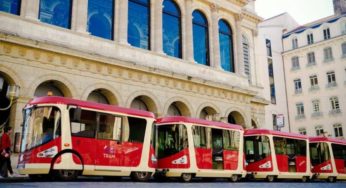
[46, 54]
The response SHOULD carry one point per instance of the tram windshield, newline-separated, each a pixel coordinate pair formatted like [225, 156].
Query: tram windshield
[172, 139]
[257, 148]
[41, 125]
[319, 153]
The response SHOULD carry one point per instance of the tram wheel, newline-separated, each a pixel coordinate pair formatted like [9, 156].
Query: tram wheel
[305, 178]
[66, 175]
[186, 177]
[331, 179]
[270, 178]
[234, 178]
[141, 176]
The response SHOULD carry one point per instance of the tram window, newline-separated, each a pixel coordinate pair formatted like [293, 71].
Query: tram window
[106, 126]
[280, 145]
[257, 148]
[231, 140]
[86, 126]
[136, 128]
[319, 153]
[339, 151]
[171, 139]
[301, 147]
[201, 136]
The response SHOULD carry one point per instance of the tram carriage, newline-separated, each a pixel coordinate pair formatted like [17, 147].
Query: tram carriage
[188, 147]
[65, 138]
[328, 158]
[276, 155]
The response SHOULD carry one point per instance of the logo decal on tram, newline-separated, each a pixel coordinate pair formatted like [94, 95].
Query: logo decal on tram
[267, 164]
[181, 160]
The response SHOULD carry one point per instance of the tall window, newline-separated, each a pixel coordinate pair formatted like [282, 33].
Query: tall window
[246, 54]
[302, 131]
[298, 86]
[269, 48]
[311, 58]
[338, 130]
[326, 34]
[171, 28]
[343, 48]
[331, 79]
[294, 43]
[313, 81]
[316, 106]
[343, 27]
[56, 12]
[101, 18]
[200, 38]
[226, 46]
[334, 102]
[10, 6]
[310, 38]
[319, 130]
[300, 110]
[328, 54]
[139, 24]
[295, 62]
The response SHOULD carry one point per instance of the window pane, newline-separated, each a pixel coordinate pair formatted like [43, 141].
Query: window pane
[10, 6]
[100, 18]
[226, 51]
[200, 38]
[138, 24]
[171, 29]
[56, 12]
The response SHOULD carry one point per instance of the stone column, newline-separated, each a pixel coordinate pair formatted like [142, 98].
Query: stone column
[80, 16]
[30, 9]
[156, 34]
[238, 47]
[121, 22]
[214, 41]
[187, 33]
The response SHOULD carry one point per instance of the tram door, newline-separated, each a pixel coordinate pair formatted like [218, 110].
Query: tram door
[217, 148]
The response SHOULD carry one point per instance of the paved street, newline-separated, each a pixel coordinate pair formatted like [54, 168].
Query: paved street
[99, 182]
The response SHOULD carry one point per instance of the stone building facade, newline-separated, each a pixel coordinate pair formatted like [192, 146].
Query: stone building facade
[45, 58]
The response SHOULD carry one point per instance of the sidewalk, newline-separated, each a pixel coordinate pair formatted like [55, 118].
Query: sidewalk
[14, 162]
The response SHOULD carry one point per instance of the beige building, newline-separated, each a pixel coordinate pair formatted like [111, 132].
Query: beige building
[315, 69]
[128, 56]
[270, 55]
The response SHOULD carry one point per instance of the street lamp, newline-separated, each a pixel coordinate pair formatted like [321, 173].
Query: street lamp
[12, 94]
[1, 83]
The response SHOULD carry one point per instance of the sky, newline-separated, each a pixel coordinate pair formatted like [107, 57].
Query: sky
[303, 11]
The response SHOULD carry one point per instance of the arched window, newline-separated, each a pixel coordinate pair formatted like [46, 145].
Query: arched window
[138, 23]
[101, 18]
[226, 46]
[200, 38]
[10, 6]
[171, 29]
[246, 56]
[56, 12]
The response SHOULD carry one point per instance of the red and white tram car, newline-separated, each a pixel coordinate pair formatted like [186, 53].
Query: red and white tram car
[66, 138]
[188, 147]
[328, 158]
[273, 154]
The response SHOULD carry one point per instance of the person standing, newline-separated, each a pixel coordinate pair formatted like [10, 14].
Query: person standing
[6, 152]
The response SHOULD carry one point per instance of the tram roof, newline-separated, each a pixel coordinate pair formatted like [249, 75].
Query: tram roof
[182, 119]
[88, 104]
[327, 139]
[251, 132]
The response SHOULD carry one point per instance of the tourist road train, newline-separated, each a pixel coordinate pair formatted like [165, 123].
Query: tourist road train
[65, 138]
